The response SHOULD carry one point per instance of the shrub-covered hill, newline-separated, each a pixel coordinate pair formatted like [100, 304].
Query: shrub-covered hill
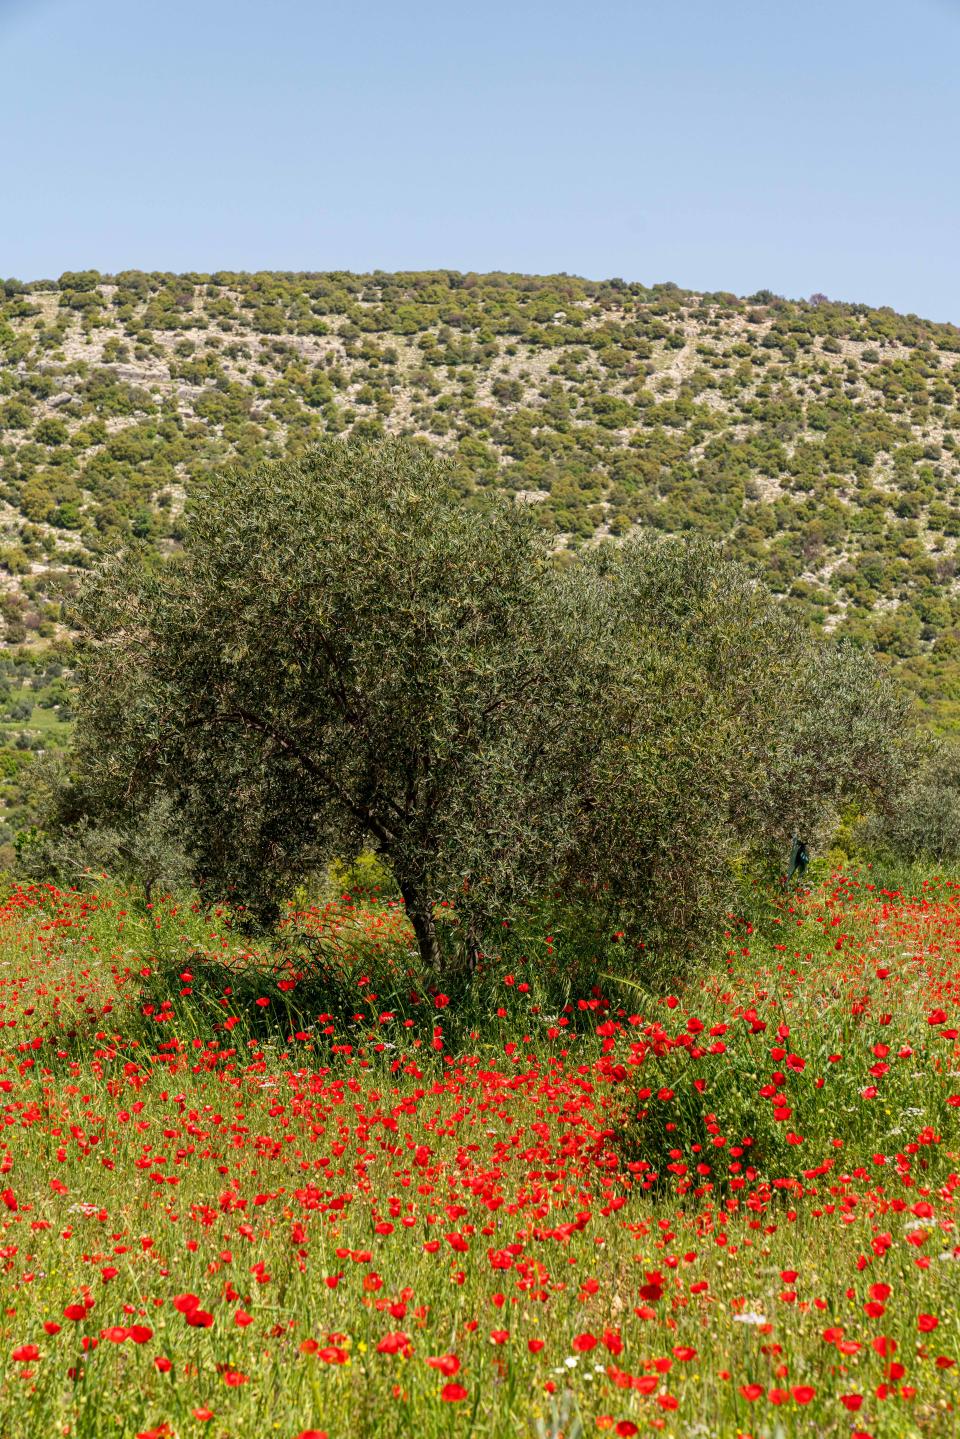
[820, 439]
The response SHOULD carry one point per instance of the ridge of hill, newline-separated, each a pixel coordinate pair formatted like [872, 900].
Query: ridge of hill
[820, 440]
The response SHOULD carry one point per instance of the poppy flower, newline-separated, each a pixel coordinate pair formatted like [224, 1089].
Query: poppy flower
[447, 1364]
[453, 1393]
[395, 1343]
[332, 1354]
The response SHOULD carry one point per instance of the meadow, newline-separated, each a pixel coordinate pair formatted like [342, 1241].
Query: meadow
[298, 1191]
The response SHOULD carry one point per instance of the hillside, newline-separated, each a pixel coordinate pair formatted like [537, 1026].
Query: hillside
[820, 439]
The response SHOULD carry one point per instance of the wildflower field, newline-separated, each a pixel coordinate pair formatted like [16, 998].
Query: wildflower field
[302, 1192]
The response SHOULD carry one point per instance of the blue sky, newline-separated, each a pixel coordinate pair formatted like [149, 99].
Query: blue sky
[734, 146]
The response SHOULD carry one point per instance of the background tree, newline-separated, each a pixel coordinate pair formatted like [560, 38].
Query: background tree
[72, 846]
[923, 823]
[728, 727]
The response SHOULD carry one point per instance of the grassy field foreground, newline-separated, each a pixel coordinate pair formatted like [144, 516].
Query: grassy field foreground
[237, 1200]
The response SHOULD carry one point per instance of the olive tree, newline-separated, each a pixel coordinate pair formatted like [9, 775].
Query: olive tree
[924, 821]
[728, 727]
[345, 655]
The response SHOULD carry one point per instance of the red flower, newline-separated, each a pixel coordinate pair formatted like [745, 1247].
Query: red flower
[452, 1393]
[332, 1354]
[752, 1391]
[926, 1323]
[26, 1353]
[447, 1364]
[803, 1393]
[851, 1402]
[398, 1343]
[583, 1343]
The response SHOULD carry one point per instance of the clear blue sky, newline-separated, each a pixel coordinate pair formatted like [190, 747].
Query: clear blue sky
[722, 144]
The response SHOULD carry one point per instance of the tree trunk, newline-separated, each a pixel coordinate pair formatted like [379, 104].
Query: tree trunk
[420, 913]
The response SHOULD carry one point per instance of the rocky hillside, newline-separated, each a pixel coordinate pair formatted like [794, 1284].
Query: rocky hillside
[821, 440]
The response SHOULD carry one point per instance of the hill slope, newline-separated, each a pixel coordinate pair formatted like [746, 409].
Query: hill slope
[822, 440]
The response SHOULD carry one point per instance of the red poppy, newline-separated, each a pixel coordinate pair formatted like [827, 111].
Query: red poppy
[447, 1364]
